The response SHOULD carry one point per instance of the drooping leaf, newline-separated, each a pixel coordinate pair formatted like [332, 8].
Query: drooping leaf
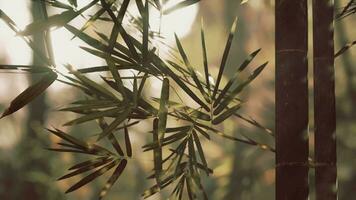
[128, 143]
[30, 93]
[91, 176]
[103, 125]
[116, 174]
[90, 166]
[200, 151]
[157, 152]
[87, 163]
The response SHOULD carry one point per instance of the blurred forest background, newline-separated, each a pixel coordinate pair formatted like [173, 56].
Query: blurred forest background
[28, 171]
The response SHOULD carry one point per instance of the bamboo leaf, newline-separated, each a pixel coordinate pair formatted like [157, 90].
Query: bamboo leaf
[239, 88]
[92, 84]
[128, 143]
[234, 78]
[226, 114]
[201, 152]
[30, 93]
[91, 177]
[89, 165]
[163, 109]
[69, 138]
[205, 57]
[115, 124]
[345, 48]
[95, 115]
[103, 125]
[190, 68]
[179, 5]
[224, 58]
[157, 152]
[116, 174]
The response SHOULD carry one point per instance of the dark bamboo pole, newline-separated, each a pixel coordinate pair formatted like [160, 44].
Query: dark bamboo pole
[291, 100]
[324, 100]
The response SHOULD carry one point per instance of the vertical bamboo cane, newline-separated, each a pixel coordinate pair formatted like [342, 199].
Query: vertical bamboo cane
[324, 100]
[291, 100]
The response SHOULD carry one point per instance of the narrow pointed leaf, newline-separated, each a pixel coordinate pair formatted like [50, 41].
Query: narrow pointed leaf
[163, 109]
[239, 88]
[224, 58]
[179, 5]
[91, 177]
[226, 114]
[128, 143]
[30, 93]
[116, 174]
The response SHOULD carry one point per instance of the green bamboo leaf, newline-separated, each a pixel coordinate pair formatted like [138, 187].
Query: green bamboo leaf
[96, 115]
[239, 88]
[123, 33]
[226, 114]
[205, 57]
[184, 87]
[92, 164]
[104, 50]
[167, 140]
[179, 5]
[92, 84]
[69, 150]
[69, 138]
[157, 152]
[91, 176]
[26, 68]
[201, 152]
[345, 48]
[103, 125]
[128, 143]
[145, 33]
[115, 123]
[190, 68]
[30, 93]
[163, 109]
[92, 19]
[225, 56]
[90, 107]
[116, 174]
[235, 77]
[87, 163]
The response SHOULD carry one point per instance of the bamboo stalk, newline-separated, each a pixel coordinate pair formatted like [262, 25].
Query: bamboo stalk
[324, 100]
[291, 100]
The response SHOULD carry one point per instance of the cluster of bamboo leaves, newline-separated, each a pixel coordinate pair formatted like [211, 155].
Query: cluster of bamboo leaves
[116, 106]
